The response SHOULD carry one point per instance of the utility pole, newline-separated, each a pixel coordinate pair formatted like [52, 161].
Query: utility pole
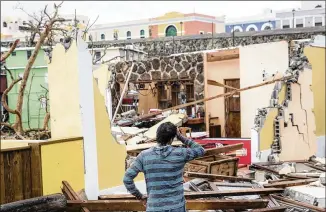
[212, 35]
[233, 35]
[293, 18]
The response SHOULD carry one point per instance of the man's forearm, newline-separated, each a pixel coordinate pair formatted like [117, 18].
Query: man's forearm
[131, 187]
[188, 142]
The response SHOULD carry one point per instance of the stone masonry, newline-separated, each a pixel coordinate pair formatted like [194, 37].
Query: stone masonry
[181, 44]
[187, 66]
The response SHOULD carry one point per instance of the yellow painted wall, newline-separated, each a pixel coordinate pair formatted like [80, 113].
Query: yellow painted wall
[266, 135]
[148, 100]
[316, 56]
[162, 27]
[111, 155]
[62, 161]
[64, 93]
[102, 75]
[281, 94]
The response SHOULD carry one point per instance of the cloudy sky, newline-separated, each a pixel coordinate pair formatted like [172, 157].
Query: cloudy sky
[117, 11]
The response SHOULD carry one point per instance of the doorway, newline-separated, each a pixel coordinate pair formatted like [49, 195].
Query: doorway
[232, 110]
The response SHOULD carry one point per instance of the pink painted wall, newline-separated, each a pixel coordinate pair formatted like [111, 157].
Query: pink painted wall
[193, 27]
[154, 31]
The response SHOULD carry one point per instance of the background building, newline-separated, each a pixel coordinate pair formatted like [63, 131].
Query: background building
[34, 108]
[311, 13]
[170, 24]
[264, 21]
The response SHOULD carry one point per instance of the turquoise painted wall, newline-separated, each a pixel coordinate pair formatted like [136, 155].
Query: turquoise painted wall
[34, 116]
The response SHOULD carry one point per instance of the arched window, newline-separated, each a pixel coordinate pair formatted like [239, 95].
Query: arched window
[237, 30]
[102, 37]
[4, 24]
[128, 35]
[142, 33]
[267, 28]
[170, 31]
[251, 29]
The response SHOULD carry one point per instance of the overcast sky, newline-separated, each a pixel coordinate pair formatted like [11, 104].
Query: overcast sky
[117, 11]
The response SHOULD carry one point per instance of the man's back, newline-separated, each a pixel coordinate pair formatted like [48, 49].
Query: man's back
[163, 169]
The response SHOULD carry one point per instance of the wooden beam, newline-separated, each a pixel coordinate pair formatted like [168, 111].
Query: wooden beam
[36, 167]
[195, 195]
[223, 149]
[217, 177]
[136, 205]
[215, 83]
[273, 209]
[53, 203]
[227, 54]
[215, 97]
[148, 145]
[285, 184]
[311, 207]
[71, 194]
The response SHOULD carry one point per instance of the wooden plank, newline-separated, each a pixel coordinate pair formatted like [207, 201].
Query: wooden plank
[9, 182]
[217, 177]
[215, 97]
[2, 179]
[27, 174]
[285, 184]
[53, 203]
[256, 166]
[220, 55]
[315, 167]
[36, 166]
[215, 83]
[135, 205]
[195, 195]
[312, 207]
[72, 194]
[17, 173]
[223, 149]
[273, 209]
[63, 140]
[10, 149]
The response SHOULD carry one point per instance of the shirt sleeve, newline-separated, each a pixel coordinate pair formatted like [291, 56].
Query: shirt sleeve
[194, 151]
[131, 173]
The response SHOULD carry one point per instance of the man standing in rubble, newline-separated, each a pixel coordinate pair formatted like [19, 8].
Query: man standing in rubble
[163, 167]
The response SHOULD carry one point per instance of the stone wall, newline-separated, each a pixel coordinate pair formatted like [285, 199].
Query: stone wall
[181, 44]
[185, 66]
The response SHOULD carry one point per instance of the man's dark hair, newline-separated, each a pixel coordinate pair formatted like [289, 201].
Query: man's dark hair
[165, 132]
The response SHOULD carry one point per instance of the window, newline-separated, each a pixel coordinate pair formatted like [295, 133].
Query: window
[298, 25]
[286, 26]
[13, 54]
[201, 32]
[171, 31]
[115, 35]
[251, 29]
[128, 35]
[267, 28]
[29, 53]
[318, 24]
[43, 102]
[142, 33]
[97, 55]
[237, 30]
[102, 37]
[16, 22]
[4, 24]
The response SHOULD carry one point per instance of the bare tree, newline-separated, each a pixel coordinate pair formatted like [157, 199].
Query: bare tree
[46, 26]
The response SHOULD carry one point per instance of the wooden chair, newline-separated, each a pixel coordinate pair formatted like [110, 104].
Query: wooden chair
[184, 130]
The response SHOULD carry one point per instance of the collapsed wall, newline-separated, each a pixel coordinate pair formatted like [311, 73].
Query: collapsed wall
[289, 123]
[173, 68]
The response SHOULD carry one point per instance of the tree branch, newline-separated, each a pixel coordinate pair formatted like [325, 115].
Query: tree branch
[12, 48]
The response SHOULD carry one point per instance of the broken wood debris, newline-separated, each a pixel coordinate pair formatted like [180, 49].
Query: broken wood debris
[136, 205]
[217, 177]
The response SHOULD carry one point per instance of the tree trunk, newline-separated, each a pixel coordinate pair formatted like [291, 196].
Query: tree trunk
[20, 99]
[50, 203]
